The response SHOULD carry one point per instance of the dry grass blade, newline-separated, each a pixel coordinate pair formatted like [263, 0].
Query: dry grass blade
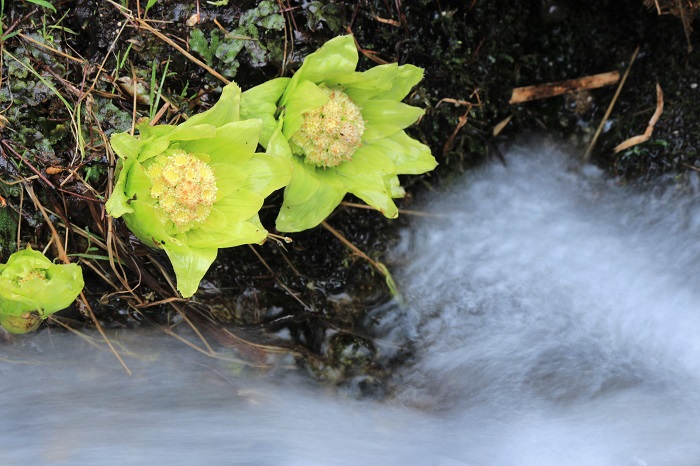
[501, 125]
[82, 61]
[633, 141]
[463, 119]
[279, 282]
[393, 289]
[589, 149]
[144, 24]
[64, 258]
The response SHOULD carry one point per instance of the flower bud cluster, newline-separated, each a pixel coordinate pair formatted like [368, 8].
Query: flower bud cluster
[332, 133]
[34, 274]
[184, 188]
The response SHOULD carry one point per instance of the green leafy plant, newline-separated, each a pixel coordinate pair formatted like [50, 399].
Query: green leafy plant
[43, 3]
[150, 5]
[32, 287]
[223, 52]
[345, 132]
[196, 187]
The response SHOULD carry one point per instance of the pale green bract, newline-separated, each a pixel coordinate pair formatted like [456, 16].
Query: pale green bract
[323, 131]
[32, 287]
[196, 187]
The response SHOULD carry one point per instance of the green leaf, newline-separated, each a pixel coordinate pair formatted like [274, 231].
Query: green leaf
[407, 76]
[310, 197]
[125, 145]
[385, 118]
[394, 186]
[138, 184]
[146, 131]
[118, 202]
[43, 3]
[229, 179]
[233, 143]
[249, 231]
[153, 148]
[410, 156]
[367, 159]
[148, 224]
[224, 111]
[150, 4]
[268, 173]
[372, 189]
[336, 58]
[306, 97]
[365, 176]
[190, 265]
[239, 206]
[383, 82]
[192, 132]
[198, 43]
[261, 102]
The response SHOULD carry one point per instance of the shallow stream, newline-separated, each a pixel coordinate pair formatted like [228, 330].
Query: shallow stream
[555, 318]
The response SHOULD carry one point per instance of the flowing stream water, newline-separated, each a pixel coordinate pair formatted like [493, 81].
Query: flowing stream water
[555, 319]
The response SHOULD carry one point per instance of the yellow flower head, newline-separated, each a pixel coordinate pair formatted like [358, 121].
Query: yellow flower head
[184, 186]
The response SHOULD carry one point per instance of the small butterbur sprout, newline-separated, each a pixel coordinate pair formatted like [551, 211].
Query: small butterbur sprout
[196, 187]
[343, 131]
[32, 287]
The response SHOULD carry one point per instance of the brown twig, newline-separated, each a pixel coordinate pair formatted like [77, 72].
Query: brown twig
[144, 24]
[66, 260]
[589, 149]
[633, 141]
[279, 282]
[543, 91]
[376, 264]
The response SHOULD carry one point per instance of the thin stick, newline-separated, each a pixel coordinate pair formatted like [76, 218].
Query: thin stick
[177, 47]
[64, 258]
[417, 213]
[57, 52]
[587, 154]
[102, 333]
[279, 282]
[377, 265]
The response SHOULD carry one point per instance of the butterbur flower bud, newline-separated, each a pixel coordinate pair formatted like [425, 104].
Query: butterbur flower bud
[32, 287]
[345, 132]
[330, 134]
[184, 188]
[196, 187]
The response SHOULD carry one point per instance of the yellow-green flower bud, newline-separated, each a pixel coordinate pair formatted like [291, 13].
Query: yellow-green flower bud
[332, 133]
[184, 188]
[32, 287]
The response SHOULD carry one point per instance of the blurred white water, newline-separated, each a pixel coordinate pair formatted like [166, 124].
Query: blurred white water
[555, 316]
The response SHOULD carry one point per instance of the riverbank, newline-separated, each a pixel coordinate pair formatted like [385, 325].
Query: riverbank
[74, 76]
